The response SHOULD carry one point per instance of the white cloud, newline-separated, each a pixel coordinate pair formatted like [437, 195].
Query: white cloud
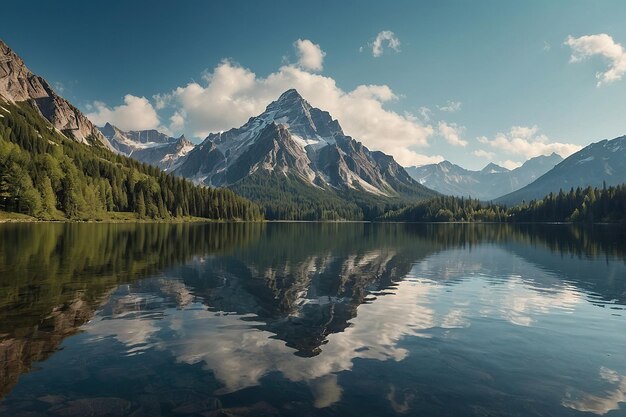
[177, 122]
[385, 37]
[135, 114]
[310, 55]
[603, 45]
[481, 153]
[231, 94]
[451, 133]
[546, 46]
[406, 157]
[527, 142]
[451, 106]
[426, 113]
[508, 164]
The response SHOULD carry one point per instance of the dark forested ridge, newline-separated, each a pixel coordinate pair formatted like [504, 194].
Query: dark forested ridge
[46, 175]
[291, 199]
[606, 204]
[590, 205]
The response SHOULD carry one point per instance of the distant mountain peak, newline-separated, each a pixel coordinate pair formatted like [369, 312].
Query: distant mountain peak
[489, 183]
[289, 99]
[552, 159]
[149, 146]
[492, 168]
[291, 94]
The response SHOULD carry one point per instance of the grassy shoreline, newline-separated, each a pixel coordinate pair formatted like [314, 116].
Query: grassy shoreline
[115, 217]
[22, 218]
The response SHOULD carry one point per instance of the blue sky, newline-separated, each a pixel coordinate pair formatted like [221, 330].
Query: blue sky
[502, 70]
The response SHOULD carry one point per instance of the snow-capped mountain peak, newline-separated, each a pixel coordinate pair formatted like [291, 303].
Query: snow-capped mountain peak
[294, 139]
[149, 146]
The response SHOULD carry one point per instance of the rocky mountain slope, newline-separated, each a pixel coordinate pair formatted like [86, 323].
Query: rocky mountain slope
[149, 146]
[487, 184]
[600, 163]
[18, 83]
[295, 140]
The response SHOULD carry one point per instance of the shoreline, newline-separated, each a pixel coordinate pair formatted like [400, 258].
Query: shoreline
[203, 220]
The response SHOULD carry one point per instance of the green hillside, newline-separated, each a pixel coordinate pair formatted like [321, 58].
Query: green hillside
[48, 176]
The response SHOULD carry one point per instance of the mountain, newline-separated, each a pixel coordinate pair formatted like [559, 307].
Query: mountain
[487, 184]
[149, 146]
[51, 171]
[18, 83]
[595, 165]
[299, 149]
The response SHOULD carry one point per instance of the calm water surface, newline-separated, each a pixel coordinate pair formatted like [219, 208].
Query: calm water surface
[312, 320]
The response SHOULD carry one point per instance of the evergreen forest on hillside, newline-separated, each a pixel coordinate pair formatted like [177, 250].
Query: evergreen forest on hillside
[588, 205]
[47, 176]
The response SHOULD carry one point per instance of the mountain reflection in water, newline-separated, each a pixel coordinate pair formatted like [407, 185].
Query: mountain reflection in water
[308, 319]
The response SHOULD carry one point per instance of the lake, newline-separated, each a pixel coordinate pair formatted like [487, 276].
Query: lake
[305, 319]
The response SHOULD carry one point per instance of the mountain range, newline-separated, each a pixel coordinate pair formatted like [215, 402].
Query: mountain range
[597, 165]
[491, 182]
[292, 142]
[149, 146]
[292, 153]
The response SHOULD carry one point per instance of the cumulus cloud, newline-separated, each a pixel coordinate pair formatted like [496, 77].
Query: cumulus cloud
[451, 106]
[528, 142]
[231, 94]
[481, 153]
[388, 38]
[137, 113]
[310, 55]
[177, 122]
[411, 158]
[602, 45]
[451, 133]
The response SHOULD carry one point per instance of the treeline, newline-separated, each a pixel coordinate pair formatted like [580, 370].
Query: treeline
[45, 175]
[448, 209]
[589, 205]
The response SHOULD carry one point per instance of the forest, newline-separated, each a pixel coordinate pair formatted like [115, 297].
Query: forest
[287, 198]
[48, 176]
[588, 205]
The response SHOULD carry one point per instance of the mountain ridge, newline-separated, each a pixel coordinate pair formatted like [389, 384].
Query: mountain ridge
[150, 146]
[598, 164]
[18, 83]
[489, 183]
